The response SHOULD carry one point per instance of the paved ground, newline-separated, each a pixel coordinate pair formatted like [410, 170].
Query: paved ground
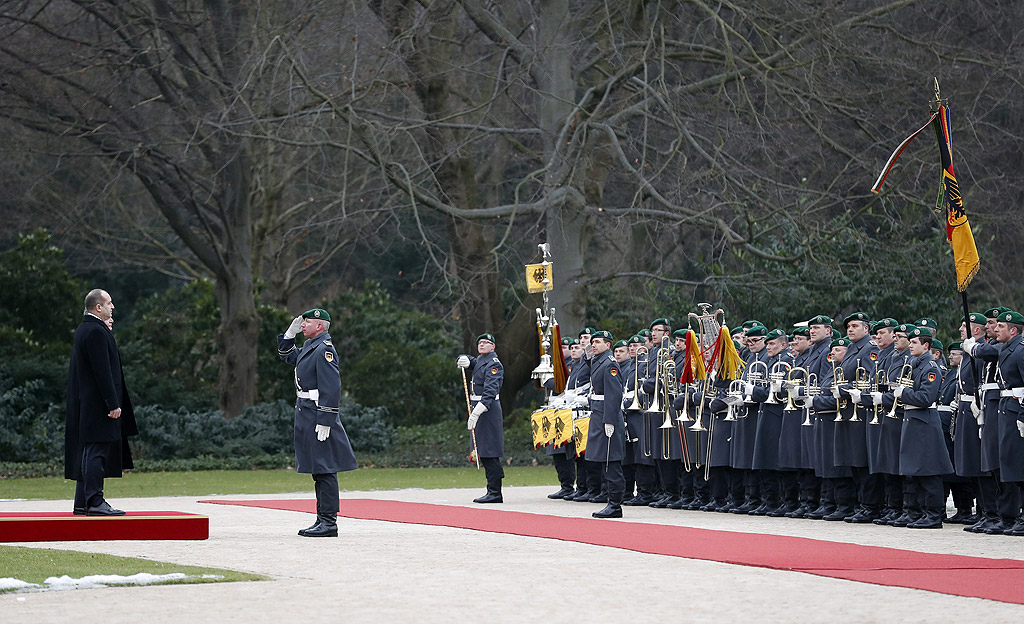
[382, 571]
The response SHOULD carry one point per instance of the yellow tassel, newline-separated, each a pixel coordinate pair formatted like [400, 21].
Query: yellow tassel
[696, 362]
[730, 365]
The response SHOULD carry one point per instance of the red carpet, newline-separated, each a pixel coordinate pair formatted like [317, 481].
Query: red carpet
[30, 526]
[993, 579]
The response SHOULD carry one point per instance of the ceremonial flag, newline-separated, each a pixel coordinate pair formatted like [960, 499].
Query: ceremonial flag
[538, 277]
[958, 230]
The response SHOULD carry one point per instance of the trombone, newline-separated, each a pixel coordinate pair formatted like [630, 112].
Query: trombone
[906, 379]
[881, 379]
[776, 377]
[862, 382]
[636, 405]
[813, 390]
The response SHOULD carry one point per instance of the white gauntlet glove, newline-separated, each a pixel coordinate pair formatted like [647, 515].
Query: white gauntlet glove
[898, 392]
[854, 395]
[475, 415]
[463, 361]
[294, 329]
[610, 429]
[835, 392]
[968, 346]
[1020, 428]
[876, 398]
[976, 411]
[322, 432]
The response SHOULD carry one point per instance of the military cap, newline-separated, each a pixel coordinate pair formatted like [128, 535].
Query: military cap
[920, 332]
[1011, 317]
[903, 328]
[644, 333]
[317, 313]
[789, 337]
[841, 342]
[937, 344]
[736, 344]
[680, 333]
[775, 333]
[856, 316]
[487, 337]
[607, 335]
[569, 341]
[995, 312]
[955, 346]
[821, 319]
[801, 331]
[976, 317]
[836, 334]
[886, 322]
[587, 330]
[636, 340]
[750, 323]
[872, 326]
[660, 321]
[926, 322]
[620, 343]
[756, 330]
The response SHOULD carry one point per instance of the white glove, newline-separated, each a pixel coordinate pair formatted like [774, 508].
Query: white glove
[835, 392]
[733, 400]
[294, 329]
[979, 433]
[968, 346]
[463, 361]
[475, 415]
[1020, 428]
[876, 398]
[748, 389]
[898, 392]
[322, 432]
[610, 429]
[854, 395]
[794, 393]
[976, 410]
[776, 386]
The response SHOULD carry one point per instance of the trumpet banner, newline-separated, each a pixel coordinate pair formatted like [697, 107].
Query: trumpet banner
[563, 427]
[542, 426]
[581, 428]
[538, 277]
[730, 366]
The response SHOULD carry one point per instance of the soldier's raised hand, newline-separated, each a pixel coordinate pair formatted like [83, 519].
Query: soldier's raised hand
[463, 361]
[294, 329]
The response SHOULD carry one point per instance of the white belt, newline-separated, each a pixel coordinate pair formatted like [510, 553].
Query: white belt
[1017, 393]
[916, 407]
[967, 397]
[312, 395]
[945, 408]
[989, 386]
[475, 397]
[596, 397]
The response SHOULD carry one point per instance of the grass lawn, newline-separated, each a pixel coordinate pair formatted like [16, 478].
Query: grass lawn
[34, 565]
[205, 483]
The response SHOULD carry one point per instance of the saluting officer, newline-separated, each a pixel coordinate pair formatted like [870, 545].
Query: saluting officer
[606, 438]
[485, 419]
[322, 448]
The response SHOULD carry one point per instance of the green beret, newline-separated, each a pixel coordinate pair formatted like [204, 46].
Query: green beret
[756, 330]
[1011, 317]
[789, 337]
[569, 341]
[775, 333]
[644, 333]
[607, 335]
[856, 316]
[801, 331]
[926, 322]
[660, 321]
[749, 324]
[587, 330]
[976, 317]
[317, 313]
[841, 342]
[955, 346]
[904, 328]
[620, 343]
[487, 337]
[636, 340]
[886, 322]
[920, 332]
[821, 319]
[835, 334]
[937, 344]
[995, 312]
[680, 333]
[736, 344]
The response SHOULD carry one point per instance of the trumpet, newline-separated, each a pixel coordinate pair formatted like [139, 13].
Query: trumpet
[906, 379]
[881, 379]
[669, 371]
[636, 405]
[796, 383]
[735, 391]
[775, 378]
[813, 390]
[862, 382]
[838, 378]
[698, 424]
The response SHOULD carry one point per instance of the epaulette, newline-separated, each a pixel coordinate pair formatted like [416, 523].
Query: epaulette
[328, 343]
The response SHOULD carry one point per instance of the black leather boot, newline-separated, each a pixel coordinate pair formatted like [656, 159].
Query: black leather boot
[611, 510]
[562, 493]
[327, 526]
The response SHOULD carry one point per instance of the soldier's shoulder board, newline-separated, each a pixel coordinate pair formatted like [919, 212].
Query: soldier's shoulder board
[328, 343]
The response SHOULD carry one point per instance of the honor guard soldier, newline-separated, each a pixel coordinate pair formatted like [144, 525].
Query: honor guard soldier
[485, 420]
[883, 331]
[962, 488]
[898, 496]
[838, 491]
[819, 330]
[744, 430]
[563, 456]
[796, 439]
[636, 444]
[606, 438]
[769, 429]
[923, 456]
[966, 428]
[322, 448]
[667, 464]
[621, 352]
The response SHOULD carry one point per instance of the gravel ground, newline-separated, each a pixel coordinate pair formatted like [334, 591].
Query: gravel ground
[385, 571]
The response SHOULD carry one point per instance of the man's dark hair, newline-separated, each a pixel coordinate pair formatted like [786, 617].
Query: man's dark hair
[93, 299]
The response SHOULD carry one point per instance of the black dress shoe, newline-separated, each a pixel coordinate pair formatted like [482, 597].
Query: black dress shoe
[562, 493]
[745, 508]
[320, 530]
[303, 532]
[695, 505]
[79, 511]
[663, 502]
[598, 498]
[1017, 530]
[679, 503]
[997, 528]
[960, 517]
[929, 520]
[640, 500]
[490, 497]
[841, 513]
[103, 510]
[611, 510]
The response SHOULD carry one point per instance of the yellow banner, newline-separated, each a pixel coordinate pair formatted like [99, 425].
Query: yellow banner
[563, 427]
[538, 277]
[581, 428]
[542, 426]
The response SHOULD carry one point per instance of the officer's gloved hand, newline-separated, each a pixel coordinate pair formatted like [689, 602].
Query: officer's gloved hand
[854, 395]
[610, 429]
[463, 361]
[968, 346]
[475, 415]
[294, 329]
[1020, 428]
[322, 432]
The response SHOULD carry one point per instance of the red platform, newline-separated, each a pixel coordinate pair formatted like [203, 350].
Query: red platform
[32, 526]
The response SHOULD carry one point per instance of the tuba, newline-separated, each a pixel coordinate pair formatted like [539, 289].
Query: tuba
[906, 379]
